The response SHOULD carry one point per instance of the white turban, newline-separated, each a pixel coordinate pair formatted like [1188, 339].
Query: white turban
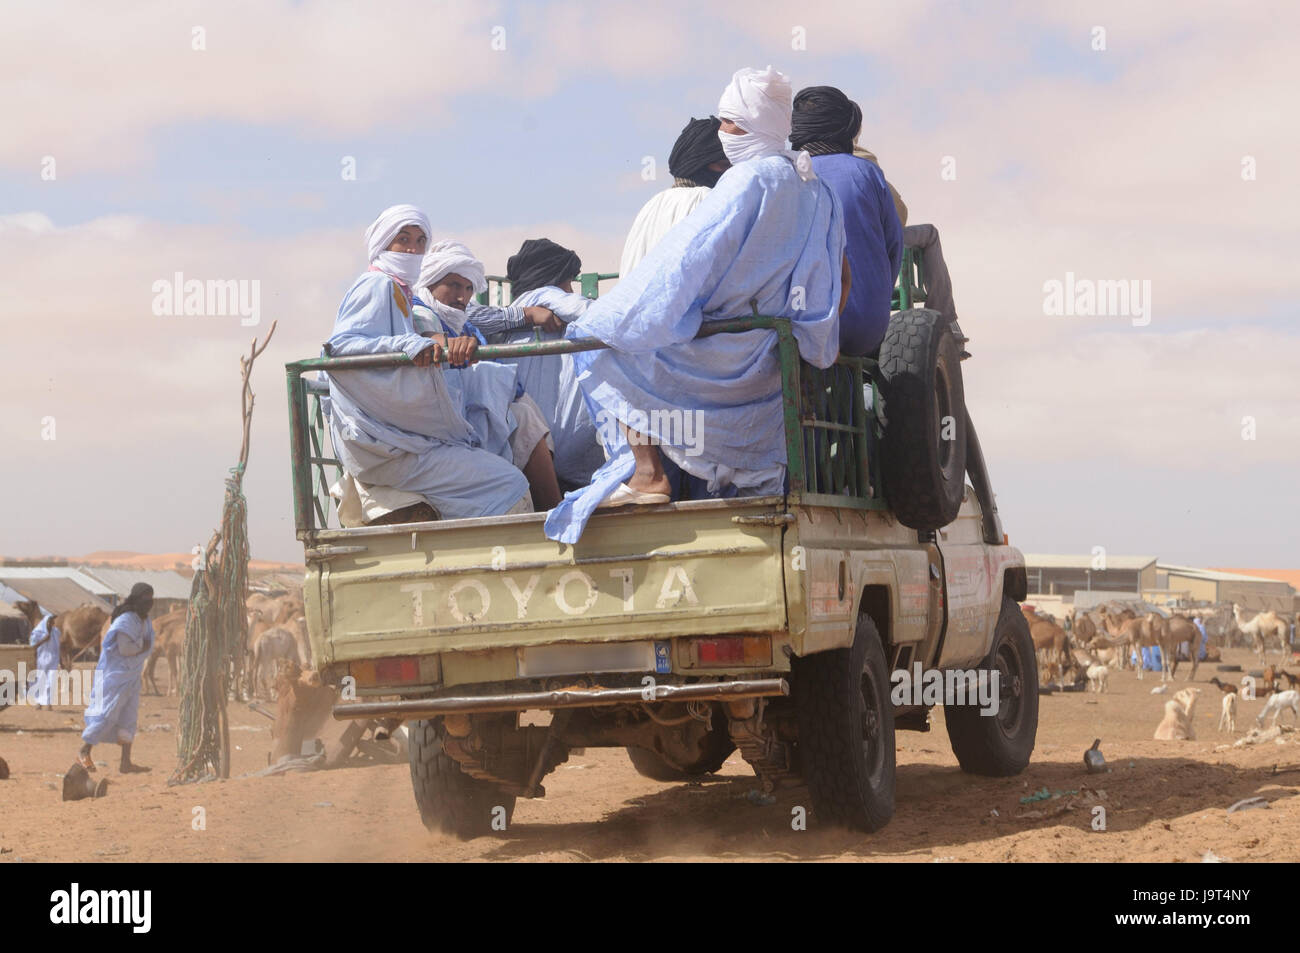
[392, 220]
[451, 258]
[760, 102]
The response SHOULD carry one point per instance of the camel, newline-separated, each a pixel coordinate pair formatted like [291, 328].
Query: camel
[1136, 633]
[30, 610]
[303, 706]
[275, 644]
[1083, 626]
[1051, 643]
[169, 641]
[1183, 629]
[79, 629]
[1260, 628]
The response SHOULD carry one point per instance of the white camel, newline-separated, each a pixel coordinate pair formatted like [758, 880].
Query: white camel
[1261, 628]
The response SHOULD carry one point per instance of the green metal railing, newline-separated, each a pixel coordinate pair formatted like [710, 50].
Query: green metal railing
[829, 429]
[909, 288]
[498, 289]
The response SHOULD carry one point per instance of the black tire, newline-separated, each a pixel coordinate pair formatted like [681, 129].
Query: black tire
[717, 748]
[999, 745]
[449, 799]
[846, 732]
[920, 380]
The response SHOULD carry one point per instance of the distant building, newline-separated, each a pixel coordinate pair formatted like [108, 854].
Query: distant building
[1213, 585]
[1063, 575]
[55, 594]
[169, 587]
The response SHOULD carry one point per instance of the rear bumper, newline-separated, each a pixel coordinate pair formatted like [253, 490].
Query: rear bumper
[564, 698]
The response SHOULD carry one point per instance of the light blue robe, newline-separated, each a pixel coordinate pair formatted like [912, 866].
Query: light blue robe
[764, 235]
[40, 690]
[483, 391]
[401, 427]
[552, 382]
[115, 699]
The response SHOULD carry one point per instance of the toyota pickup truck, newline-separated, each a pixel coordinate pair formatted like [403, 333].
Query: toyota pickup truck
[686, 631]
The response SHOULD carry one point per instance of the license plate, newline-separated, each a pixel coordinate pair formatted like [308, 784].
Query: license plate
[542, 660]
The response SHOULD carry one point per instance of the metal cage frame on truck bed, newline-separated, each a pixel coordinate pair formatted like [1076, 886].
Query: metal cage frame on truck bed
[830, 431]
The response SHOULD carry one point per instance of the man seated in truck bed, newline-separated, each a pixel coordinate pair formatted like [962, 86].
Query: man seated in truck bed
[400, 427]
[541, 274]
[770, 233]
[490, 394]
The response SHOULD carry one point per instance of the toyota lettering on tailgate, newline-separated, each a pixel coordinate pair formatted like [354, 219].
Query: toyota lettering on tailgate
[470, 598]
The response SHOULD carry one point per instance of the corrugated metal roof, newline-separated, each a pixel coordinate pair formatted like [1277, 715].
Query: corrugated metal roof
[58, 572]
[1056, 561]
[1290, 576]
[57, 595]
[1215, 575]
[167, 583]
[11, 596]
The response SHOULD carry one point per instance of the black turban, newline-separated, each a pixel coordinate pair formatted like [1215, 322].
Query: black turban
[141, 596]
[538, 263]
[695, 149]
[826, 118]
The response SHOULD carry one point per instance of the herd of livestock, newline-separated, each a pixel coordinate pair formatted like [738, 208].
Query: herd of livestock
[1111, 635]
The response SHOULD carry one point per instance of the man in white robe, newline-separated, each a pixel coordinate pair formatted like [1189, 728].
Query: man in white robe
[45, 639]
[696, 163]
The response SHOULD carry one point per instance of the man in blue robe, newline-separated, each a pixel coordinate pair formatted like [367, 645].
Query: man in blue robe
[401, 427]
[825, 123]
[769, 236]
[115, 697]
[490, 393]
[541, 275]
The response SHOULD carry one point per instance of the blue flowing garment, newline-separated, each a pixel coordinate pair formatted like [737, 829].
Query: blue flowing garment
[763, 235]
[115, 699]
[551, 381]
[402, 427]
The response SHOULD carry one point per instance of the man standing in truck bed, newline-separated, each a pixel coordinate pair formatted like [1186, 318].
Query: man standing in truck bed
[769, 233]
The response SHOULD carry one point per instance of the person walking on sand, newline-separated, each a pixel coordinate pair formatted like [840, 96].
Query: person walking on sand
[115, 699]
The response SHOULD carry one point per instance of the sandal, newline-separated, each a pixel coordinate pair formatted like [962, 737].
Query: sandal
[86, 762]
[625, 495]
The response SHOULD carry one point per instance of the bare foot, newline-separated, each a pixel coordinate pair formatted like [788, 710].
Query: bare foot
[649, 483]
[133, 769]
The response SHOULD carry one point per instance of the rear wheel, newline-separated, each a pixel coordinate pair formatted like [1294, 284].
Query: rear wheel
[999, 745]
[846, 731]
[923, 446]
[449, 799]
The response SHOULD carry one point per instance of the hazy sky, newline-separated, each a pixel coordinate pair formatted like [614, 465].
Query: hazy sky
[1107, 141]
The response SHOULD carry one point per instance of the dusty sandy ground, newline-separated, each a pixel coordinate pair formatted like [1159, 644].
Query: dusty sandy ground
[1165, 801]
